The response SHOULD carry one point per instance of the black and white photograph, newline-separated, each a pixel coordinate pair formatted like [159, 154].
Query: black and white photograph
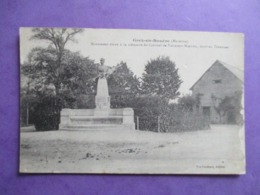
[121, 101]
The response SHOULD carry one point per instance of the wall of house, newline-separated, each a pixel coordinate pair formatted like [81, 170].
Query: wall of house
[215, 85]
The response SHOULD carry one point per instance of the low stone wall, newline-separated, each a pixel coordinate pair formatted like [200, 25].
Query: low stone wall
[88, 117]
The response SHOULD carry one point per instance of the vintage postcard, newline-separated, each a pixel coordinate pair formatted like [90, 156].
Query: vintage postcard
[131, 101]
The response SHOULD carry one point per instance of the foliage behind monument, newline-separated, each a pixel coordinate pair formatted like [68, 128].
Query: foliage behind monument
[161, 79]
[54, 67]
[124, 86]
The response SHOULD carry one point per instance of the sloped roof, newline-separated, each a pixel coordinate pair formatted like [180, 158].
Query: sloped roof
[235, 71]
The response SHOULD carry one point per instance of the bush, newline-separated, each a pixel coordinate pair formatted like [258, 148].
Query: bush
[46, 115]
[172, 118]
[177, 119]
[147, 109]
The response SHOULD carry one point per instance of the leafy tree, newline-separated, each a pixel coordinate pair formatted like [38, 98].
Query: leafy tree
[161, 78]
[161, 82]
[76, 75]
[78, 78]
[52, 85]
[123, 86]
[54, 54]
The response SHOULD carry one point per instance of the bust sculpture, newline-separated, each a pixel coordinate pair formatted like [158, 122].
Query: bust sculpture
[103, 70]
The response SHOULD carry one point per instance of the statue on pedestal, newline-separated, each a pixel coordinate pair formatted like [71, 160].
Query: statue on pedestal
[102, 117]
[103, 70]
[102, 98]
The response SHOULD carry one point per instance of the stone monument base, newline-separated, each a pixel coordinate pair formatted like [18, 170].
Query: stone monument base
[95, 119]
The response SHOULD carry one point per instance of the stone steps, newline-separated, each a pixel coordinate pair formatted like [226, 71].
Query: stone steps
[93, 117]
[86, 120]
[95, 127]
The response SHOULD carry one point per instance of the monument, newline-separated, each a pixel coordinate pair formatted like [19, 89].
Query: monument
[102, 117]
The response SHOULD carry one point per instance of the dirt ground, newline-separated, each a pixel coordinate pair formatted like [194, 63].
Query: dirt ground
[218, 150]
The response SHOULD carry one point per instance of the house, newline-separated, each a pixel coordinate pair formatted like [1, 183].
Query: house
[219, 92]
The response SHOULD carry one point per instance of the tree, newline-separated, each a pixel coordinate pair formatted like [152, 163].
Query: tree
[58, 38]
[78, 78]
[161, 79]
[75, 76]
[160, 83]
[123, 85]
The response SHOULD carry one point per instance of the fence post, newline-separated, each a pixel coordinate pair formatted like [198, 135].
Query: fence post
[159, 124]
[137, 123]
[27, 115]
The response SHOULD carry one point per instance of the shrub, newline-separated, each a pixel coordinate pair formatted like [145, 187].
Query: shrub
[177, 119]
[147, 109]
[47, 114]
[172, 118]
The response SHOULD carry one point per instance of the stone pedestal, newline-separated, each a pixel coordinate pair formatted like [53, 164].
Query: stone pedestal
[102, 117]
[102, 98]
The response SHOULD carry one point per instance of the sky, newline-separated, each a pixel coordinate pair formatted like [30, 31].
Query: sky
[192, 52]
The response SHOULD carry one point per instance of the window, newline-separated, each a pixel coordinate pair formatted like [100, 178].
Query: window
[217, 81]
